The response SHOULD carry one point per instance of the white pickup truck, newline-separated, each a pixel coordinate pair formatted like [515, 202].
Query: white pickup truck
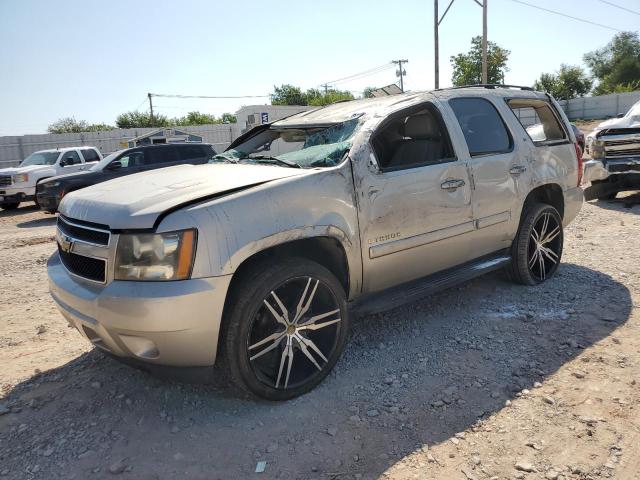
[18, 184]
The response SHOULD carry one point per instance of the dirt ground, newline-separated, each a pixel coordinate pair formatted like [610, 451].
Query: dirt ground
[487, 380]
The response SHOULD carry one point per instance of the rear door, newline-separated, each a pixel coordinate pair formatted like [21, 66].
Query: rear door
[499, 168]
[90, 156]
[414, 200]
[159, 157]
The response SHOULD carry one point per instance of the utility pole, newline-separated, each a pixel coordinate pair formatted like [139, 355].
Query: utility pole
[150, 107]
[326, 88]
[400, 72]
[436, 43]
[485, 77]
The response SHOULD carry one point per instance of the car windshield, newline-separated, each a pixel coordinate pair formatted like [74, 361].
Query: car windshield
[40, 158]
[105, 161]
[298, 147]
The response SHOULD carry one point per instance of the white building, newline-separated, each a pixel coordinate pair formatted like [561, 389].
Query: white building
[252, 115]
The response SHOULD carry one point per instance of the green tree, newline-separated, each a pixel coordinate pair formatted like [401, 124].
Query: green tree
[136, 119]
[228, 118]
[196, 118]
[569, 82]
[71, 125]
[332, 96]
[617, 64]
[368, 92]
[288, 95]
[467, 67]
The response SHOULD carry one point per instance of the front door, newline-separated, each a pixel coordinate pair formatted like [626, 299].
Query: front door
[70, 162]
[415, 209]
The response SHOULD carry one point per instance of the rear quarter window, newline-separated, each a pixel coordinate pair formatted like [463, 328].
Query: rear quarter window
[483, 128]
[192, 152]
[154, 156]
[538, 120]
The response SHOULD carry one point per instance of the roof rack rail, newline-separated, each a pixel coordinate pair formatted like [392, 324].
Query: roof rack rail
[488, 85]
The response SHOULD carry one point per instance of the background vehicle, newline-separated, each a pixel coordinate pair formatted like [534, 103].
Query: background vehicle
[258, 258]
[614, 147]
[19, 184]
[120, 163]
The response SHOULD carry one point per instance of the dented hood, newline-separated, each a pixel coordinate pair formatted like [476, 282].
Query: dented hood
[136, 201]
[630, 120]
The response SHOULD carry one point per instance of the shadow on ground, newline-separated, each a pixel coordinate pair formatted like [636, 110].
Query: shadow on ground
[415, 375]
[48, 221]
[627, 200]
[22, 210]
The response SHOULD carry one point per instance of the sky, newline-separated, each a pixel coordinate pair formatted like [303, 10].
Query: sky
[93, 60]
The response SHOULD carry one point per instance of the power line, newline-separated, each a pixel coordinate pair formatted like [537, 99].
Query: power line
[169, 95]
[567, 16]
[366, 73]
[620, 7]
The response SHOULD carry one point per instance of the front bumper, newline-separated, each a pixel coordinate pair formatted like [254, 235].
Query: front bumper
[10, 194]
[48, 201]
[164, 323]
[611, 176]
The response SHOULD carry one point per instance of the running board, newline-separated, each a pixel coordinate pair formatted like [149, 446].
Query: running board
[414, 290]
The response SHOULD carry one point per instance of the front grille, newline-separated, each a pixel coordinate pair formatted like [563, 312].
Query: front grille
[86, 267]
[5, 180]
[97, 237]
[624, 168]
[632, 152]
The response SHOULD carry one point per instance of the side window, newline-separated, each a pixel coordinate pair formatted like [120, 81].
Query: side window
[482, 126]
[131, 159]
[413, 138]
[538, 119]
[71, 158]
[161, 155]
[190, 152]
[90, 155]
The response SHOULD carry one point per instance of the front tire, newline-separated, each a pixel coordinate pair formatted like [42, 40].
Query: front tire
[537, 249]
[10, 206]
[284, 328]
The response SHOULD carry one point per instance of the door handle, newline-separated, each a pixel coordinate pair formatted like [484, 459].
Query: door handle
[517, 169]
[452, 184]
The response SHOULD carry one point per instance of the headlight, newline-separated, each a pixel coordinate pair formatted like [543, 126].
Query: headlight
[155, 256]
[596, 150]
[53, 184]
[20, 178]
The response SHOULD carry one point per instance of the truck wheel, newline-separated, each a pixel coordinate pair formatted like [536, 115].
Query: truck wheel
[284, 328]
[537, 249]
[10, 206]
[608, 196]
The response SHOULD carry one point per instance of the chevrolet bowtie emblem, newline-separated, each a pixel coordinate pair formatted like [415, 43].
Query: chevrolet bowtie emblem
[65, 242]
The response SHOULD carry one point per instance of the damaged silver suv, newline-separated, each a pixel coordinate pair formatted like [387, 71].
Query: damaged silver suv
[256, 261]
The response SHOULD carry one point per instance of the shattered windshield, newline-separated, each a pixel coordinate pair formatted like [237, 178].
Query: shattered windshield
[297, 147]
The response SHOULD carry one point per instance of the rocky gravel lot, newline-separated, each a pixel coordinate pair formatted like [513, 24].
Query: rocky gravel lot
[489, 380]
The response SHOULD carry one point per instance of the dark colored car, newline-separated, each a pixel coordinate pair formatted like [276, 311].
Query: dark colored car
[579, 136]
[50, 192]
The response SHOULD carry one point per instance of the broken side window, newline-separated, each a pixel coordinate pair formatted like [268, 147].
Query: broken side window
[538, 119]
[412, 138]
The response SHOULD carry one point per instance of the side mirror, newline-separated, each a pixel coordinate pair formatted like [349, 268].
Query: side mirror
[115, 165]
[620, 115]
[63, 163]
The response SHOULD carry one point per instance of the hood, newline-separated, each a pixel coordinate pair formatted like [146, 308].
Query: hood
[18, 170]
[136, 201]
[630, 120]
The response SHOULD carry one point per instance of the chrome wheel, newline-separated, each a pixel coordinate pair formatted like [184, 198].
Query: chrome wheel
[294, 333]
[545, 246]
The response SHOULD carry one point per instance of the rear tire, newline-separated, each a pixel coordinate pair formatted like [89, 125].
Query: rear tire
[537, 249]
[284, 328]
[10, 206]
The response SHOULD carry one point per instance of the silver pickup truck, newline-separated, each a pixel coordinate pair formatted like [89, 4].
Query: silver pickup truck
[614, 147]
[256, 261]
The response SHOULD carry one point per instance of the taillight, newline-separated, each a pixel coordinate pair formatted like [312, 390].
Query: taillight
[579, 155]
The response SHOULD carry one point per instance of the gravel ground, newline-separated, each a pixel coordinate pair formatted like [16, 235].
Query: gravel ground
[487, 380]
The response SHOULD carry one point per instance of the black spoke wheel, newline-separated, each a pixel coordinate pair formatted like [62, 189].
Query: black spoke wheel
[285, 329]
[537, 249]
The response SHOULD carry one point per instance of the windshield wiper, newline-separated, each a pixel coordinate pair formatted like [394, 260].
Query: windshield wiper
[268, 159]
[224, 158]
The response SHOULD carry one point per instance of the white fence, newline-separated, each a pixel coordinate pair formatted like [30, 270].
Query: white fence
[603, 106]
[15, 148]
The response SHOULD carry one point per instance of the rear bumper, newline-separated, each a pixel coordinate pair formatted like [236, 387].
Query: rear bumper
[163, 323]
[573, 199]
